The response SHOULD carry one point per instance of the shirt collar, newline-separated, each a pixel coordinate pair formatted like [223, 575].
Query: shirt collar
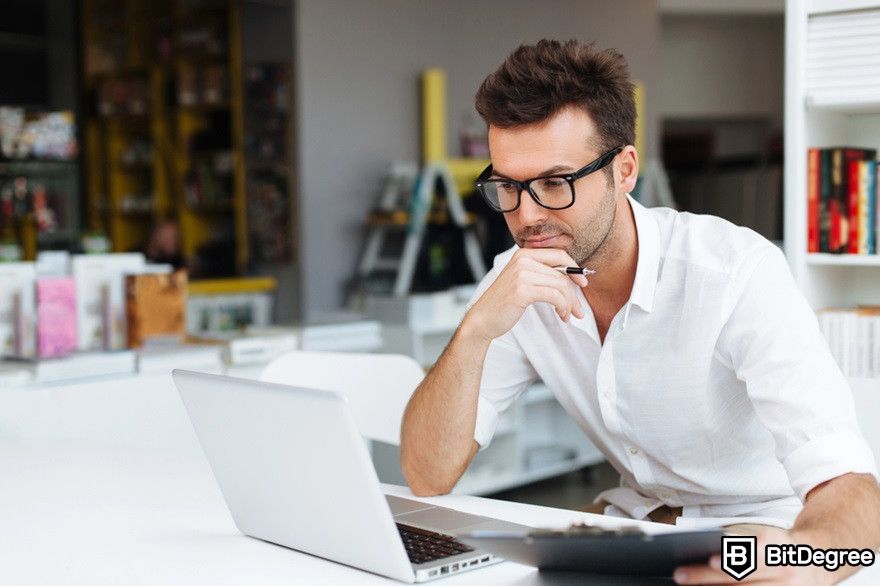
[648, 265]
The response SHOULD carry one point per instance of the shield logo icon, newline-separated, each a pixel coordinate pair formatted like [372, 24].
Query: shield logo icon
[739, 555]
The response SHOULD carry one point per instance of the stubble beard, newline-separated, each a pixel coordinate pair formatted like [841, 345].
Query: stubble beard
[590, 242]
[593, 240]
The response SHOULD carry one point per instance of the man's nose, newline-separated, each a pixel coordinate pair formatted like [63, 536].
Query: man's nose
[529, 212]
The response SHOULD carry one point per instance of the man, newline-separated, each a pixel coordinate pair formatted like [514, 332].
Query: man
[689, 358]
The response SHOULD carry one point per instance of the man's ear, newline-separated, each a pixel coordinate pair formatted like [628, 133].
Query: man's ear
[628, 168]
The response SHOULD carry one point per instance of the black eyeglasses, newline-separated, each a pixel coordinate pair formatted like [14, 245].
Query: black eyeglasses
[554, 192]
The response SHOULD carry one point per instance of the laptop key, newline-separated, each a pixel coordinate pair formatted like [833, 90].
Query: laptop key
[423, 545]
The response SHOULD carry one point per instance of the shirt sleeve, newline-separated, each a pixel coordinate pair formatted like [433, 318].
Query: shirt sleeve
[774, 344]
[506, 374]
[506, 371]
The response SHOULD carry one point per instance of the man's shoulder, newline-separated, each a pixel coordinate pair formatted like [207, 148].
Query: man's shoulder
[708, 242]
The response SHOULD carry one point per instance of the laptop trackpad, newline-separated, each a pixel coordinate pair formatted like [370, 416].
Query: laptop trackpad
[450, 520]
[401, 506]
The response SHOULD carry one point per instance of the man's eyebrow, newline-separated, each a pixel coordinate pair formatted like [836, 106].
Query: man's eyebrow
[554, 170]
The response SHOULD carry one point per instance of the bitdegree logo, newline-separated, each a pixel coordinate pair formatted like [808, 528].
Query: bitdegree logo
[739, 556]
[804, 555]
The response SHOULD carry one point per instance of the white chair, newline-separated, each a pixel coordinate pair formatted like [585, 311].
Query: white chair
[377, 386]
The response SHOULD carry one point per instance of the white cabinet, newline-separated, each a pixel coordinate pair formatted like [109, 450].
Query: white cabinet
[839, 106]
[832, 98]
[535, 439]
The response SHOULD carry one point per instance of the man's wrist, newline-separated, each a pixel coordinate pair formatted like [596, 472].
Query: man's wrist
[816, 540]
[470, 333]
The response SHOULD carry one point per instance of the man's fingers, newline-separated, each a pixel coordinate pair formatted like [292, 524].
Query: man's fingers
[555, 297]
[555, 280]
[701, 575]
[565, 284]
[553, 257]
[579, 280]
[712, 574]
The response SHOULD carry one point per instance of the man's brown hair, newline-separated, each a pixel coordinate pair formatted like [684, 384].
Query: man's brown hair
[537, 81]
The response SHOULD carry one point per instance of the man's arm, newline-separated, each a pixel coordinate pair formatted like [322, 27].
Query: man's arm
[437, 436]
[774, 344]
[843, 512]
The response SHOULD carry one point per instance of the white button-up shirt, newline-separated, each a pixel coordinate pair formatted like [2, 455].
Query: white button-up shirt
[714, 389]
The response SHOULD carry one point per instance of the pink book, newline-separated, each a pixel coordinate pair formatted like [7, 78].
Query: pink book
[56, 316]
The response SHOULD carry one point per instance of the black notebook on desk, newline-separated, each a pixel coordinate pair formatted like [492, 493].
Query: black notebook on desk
[581, 548]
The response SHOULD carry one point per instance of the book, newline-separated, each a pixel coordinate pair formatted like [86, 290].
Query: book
[255, 346]
[79, 365]
[834, 223]
[838, 231]
[853, 336]
[100, 298]
[56, 316]
[162, 358]
[813, 189]
[341, 333]
[860, 198]
[17, 315]
[14, 374]
[863, 207]
[825, 200]
[854, 205]
[874, 187]
[841, 158]
[441, 309]
[870, 178]
[155, 306]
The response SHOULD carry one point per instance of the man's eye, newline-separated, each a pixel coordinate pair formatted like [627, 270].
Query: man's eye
[506, 186]
[552, 183]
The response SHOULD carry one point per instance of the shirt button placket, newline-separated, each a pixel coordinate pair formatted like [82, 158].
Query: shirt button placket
[605, 385]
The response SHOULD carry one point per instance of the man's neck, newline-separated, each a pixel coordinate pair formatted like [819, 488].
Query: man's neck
[616, 262]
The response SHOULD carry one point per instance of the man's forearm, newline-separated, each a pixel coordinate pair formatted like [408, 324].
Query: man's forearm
[843, 512]
[437, 433]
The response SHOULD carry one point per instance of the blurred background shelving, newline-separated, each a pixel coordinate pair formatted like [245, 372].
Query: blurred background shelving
[163, 138]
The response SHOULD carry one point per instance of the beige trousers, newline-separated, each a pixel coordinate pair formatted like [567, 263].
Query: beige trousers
[669, 515]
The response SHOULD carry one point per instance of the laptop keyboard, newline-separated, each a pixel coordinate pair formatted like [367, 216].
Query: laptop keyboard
[423, 546]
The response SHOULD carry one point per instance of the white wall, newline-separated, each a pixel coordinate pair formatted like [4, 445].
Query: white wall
[358, 66]
[721, 66]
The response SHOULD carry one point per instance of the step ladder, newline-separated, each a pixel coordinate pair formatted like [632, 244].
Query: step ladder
[405, 205]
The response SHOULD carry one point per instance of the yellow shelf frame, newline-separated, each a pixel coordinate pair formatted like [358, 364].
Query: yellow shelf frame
[232, 286]
[169, 130]
[434, 131]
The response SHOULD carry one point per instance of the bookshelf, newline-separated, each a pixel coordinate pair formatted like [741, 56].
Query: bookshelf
[824, 117]
[845, 112]
[164, 138]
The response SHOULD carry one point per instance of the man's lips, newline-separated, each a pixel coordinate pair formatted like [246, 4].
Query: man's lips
[542, 242]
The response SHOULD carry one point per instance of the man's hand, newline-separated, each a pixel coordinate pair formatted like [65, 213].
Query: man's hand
[769, 575]
[529, 277]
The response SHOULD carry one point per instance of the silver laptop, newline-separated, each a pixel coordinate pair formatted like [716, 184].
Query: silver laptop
[294, 471]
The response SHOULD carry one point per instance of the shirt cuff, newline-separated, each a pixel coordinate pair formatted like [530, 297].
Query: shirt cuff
[487, 421]
[827, 457]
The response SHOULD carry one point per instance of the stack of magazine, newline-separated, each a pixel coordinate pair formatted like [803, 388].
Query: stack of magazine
[64, 317]
[853, 335]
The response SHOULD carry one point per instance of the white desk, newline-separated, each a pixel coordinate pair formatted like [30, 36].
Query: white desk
[104, 484]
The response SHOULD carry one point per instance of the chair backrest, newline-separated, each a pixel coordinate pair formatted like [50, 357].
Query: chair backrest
[377, 386]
